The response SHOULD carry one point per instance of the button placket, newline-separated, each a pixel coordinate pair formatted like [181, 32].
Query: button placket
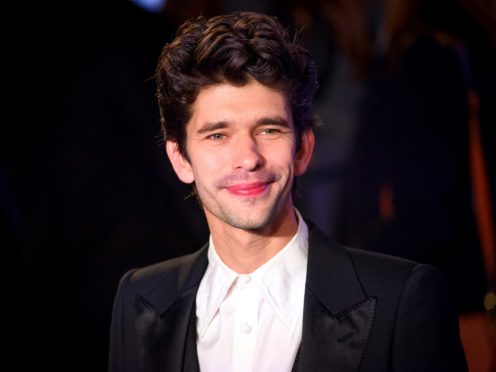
[246, 324]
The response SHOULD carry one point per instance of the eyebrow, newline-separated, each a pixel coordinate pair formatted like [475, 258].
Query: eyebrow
[276, 120]
[210, 127]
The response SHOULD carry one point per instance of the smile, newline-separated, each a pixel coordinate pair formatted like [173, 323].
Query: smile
[248, 189]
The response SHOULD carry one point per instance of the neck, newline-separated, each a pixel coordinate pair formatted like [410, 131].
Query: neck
[244, 251]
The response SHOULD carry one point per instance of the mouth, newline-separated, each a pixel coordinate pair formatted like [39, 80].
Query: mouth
[248, 189]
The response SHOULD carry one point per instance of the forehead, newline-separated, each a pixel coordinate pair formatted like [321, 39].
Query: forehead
[232, 103]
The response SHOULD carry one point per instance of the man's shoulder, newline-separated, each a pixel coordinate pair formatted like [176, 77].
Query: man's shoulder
[360, 257]
[380, 261]
[387, 274]
[168, 276]
[377, 270]
[173, 266]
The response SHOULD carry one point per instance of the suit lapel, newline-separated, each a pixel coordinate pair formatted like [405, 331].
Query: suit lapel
[337, 315]
[166, 320]
[334, 343]
[163, 341]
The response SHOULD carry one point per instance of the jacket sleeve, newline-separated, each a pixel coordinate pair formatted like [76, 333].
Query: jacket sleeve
[121, 352]
[426, 336]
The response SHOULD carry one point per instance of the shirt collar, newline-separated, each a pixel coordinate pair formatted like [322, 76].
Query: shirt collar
[281, 279]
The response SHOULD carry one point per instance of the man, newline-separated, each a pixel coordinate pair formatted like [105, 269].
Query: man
[268, 292]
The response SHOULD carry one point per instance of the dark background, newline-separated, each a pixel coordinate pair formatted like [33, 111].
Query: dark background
[87, 188]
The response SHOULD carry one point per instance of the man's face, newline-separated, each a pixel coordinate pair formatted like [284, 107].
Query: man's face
[241, 144]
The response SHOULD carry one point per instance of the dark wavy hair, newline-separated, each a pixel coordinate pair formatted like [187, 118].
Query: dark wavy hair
[235, 49]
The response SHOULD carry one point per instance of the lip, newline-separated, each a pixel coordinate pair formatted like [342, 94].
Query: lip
[248, 189]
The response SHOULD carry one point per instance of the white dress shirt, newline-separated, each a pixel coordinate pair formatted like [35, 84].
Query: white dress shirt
[253, 322]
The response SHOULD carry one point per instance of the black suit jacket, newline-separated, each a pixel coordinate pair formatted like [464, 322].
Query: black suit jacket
[362, 312]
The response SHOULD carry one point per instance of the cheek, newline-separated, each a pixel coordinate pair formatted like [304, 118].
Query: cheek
[283, 161]
[207, 166]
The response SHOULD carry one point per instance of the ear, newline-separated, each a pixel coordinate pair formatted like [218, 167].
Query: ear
[181, 165]
[304, 154]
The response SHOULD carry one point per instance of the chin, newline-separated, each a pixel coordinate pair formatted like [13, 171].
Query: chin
[258, 221]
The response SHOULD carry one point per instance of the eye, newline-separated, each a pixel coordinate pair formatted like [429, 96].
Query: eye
[270, 131]
[217, 136]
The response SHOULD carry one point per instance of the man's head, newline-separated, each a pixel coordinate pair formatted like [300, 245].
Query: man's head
[235, 49]
[235, 95]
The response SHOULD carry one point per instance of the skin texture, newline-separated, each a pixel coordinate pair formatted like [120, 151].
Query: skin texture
[242, 154]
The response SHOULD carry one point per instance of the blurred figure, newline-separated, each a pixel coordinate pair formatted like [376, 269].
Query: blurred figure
[338, 33]
[409, 189]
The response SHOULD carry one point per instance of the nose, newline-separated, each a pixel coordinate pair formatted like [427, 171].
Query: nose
[246, 154]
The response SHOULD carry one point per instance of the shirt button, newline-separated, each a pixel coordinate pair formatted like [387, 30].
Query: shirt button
[246, 328]
[246, 279]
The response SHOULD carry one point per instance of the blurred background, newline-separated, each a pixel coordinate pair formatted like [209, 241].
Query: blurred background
[405, 160]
